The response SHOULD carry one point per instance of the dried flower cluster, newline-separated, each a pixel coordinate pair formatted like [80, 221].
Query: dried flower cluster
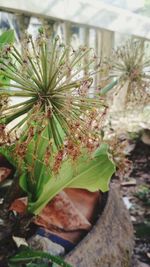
[57, 106]
[117, 148]
[78, 139]
[129, 64]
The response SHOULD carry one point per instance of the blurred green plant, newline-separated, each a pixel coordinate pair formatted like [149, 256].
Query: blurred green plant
[143, 193]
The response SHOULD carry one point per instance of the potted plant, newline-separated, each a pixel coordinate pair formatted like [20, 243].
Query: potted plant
[55, 144]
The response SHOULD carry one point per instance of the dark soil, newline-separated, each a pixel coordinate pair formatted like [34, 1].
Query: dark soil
[138, 195]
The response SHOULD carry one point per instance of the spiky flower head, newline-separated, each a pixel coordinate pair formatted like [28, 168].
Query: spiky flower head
[53, 81]
[130, 64]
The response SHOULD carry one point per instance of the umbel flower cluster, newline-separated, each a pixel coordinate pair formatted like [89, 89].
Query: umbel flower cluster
[130, 65]
[53, 81]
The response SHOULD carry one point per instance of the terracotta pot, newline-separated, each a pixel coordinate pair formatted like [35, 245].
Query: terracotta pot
[110, 242]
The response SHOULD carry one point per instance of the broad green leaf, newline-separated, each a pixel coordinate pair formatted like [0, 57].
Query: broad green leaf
[7, 37]
[7, 152]
[87, 173]
[33, 183]
[3, 80]
[102, 150]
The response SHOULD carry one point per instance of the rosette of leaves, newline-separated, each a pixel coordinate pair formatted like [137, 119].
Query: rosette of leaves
[130, 67]
[59, 129]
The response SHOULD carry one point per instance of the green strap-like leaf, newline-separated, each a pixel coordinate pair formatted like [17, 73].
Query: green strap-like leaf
[7, 152]
[91, 174]
[28, 255]
[108, 87]
[7, 37]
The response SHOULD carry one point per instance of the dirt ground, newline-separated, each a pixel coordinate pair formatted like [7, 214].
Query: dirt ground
[136, 193]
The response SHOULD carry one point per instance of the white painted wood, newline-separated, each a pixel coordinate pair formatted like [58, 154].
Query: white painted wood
[93, 13]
